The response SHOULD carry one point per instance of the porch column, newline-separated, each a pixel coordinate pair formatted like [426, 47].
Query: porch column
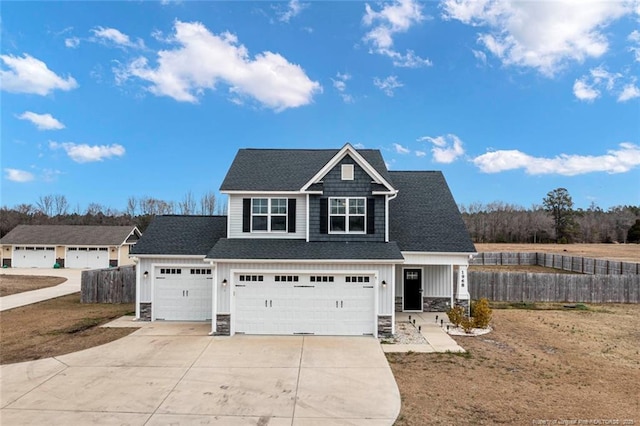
[462, 295]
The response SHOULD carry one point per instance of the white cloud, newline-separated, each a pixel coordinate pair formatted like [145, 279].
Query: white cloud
[634, 37]
[27, 74]
[614, 161]
[203, 59]
[42, 121]
[340, 84]
[630, 91]
[83, 153]
[420, 154]
[401, 149]
[294, 7]
[72, 42]
[358, 145]
[446, 149]
[394, 18]
[589, 87]
[584, 91]
[544, 35]
[19, 176]
[480, 56]
[115, 36]
[388, 85]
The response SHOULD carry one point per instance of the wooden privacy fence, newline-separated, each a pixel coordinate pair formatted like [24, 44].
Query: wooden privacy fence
[581, 265]
[530, 287]
[113, 285]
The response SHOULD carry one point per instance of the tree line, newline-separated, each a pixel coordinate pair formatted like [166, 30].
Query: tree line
[553, 221]
[54, 209]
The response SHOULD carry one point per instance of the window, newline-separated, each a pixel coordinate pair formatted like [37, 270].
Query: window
[269, 214]
[357, 279]
[347, 215]
[321, 278]
[254, 278]
[287, 278]
[170, 271]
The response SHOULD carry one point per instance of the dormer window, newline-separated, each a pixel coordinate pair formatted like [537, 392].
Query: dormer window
[269, 214]
[347, 172]
[347, 215]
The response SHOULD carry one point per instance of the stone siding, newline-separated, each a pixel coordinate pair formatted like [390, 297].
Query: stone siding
[465, 304]
[398, 303]
[436, 304]
[145, 311]
[223, 325]
[385, 326]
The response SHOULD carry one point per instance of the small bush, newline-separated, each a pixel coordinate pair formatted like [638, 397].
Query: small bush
[467, 324]
[481, 313]
[456, 314]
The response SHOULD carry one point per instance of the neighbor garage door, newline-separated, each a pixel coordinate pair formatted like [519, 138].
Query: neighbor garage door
[304, 304]
[87, 257]
[182, 293]
[34, 257]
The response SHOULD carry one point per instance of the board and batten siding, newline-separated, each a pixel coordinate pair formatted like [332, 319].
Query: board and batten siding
[148, 264]
[386, 299]
[235, 217]
[437, 280]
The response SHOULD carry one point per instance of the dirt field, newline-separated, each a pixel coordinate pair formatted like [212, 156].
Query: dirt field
[535, 365]
[623, 252]
[12, 284]
[57, 327]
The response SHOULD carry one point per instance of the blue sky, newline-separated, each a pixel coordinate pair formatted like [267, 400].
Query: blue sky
[106, 100]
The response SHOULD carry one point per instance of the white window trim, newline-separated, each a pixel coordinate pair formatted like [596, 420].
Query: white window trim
[346, 216]
[269, 215]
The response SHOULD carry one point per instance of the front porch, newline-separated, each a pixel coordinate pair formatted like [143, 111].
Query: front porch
[425, 324]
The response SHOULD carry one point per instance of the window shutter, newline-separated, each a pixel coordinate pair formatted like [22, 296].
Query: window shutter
[291, 214]
[371, 215]
[324, 215]
[246, 215]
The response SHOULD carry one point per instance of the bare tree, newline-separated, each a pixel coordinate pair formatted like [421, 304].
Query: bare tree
[60, 205]
[94, 209]
[45, 204]
[132, 206]
[208, 204]
[188, 204]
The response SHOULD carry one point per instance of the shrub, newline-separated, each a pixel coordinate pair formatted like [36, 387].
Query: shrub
[456, 314]
[481, 313]
[467, 324]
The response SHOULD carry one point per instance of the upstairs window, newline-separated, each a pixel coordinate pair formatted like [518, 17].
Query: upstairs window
[347, 215]
[269, 214]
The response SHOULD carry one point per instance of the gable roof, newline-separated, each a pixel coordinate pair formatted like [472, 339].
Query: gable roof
[287, 249]
[77, 235]
[424, 216]
[181, 235]
[286, 169]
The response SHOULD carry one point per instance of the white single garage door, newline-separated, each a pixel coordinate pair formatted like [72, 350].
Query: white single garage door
[182, 293]
[304, 304]
[87, 257]
[34, 257]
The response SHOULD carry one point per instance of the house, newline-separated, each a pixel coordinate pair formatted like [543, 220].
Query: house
[315, 242]
[70, 246]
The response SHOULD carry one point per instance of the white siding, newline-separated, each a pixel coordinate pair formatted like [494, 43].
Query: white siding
[235, 217]
[385, 273]
[437, 280]
[418, 258]
[148, 264]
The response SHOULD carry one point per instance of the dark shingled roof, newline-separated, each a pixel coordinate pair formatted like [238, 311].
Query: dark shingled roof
[286, 169]
[301, 250]
[181, 235]
[424, 217]
[64, 235]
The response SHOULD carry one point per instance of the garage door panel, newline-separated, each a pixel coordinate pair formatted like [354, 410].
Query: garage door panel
[34, 257]
[181, 294]
[87, 257]
[335, 307]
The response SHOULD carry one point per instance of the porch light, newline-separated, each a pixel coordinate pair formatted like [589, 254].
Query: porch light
[146, 274]
[224, 282]
[384, 283]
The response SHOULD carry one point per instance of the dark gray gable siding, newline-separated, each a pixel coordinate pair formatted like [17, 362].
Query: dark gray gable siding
[424, 217]
[181, 235]
[274, 249]
[285, 169]
[334, 186]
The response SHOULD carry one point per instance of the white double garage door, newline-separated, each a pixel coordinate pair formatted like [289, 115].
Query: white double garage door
[285, 304]
[45, 257]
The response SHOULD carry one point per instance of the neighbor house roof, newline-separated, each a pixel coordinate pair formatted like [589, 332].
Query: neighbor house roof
[287, 249]
[286, 169]
[181, 235]
[424, 217]
[64, 235]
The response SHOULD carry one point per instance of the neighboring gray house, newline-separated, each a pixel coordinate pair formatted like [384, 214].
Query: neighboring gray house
[315, 242]
[70, 246]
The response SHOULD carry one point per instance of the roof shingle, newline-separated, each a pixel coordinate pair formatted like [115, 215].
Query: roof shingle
[76, 235]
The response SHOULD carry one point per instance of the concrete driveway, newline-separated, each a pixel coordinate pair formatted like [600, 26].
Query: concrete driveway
[72, 285]
[173, 373]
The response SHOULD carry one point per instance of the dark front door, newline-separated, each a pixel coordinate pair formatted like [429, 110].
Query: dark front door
[412, 289]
